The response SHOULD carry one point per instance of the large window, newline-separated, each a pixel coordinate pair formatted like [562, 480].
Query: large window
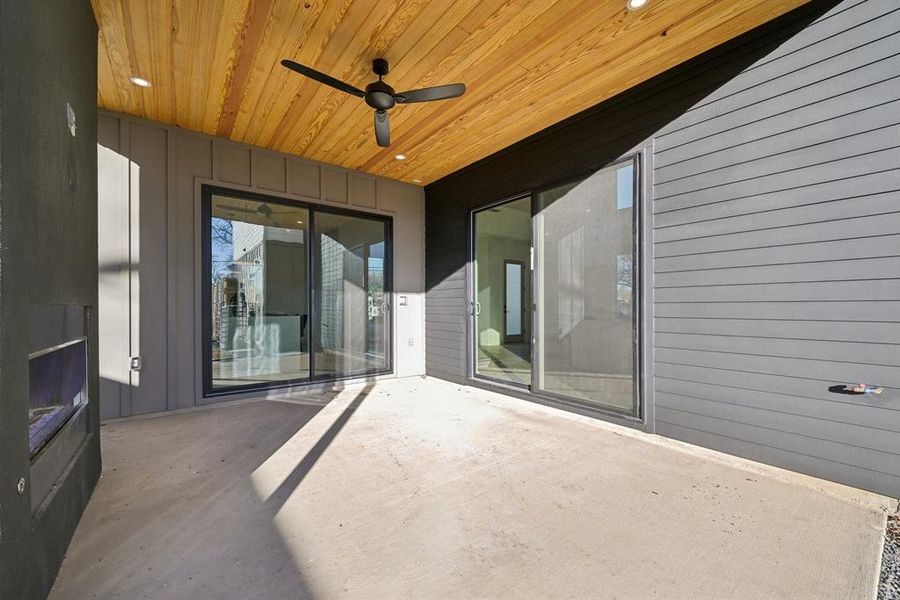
[294, 293]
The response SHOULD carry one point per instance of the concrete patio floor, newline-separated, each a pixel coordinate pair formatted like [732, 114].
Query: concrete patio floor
[421, 488]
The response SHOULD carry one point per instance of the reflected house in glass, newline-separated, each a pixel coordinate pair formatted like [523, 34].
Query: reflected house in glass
[259, 304]
[296, 292]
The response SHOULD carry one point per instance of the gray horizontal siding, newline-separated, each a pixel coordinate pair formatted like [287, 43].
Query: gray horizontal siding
[843, 118]
[767, 231]
[832, 413]
[859, 22]
[791, 385]
[735, 177]
[874, 332]
[806, 291]
[870, 195]
[841, 351]
[868, 311]
[777, 256]
[762, 445]
[780, 202]
[795, 253]
[776, 240]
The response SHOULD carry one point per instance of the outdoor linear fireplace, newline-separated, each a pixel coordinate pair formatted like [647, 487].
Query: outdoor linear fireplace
[58, 390]
[58, 394]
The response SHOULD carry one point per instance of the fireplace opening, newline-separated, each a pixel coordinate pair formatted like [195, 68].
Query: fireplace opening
[58, 390]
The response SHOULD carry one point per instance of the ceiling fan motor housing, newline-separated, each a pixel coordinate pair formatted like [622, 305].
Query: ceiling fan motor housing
[380, 95]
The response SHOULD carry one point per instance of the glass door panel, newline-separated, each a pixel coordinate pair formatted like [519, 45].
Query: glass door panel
[502, 288]
[584, 270]
[259, 292]
[352, 332]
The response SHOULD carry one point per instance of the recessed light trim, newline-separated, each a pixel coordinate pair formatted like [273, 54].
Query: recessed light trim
[400, 156]
[139, 81]
[636, 4]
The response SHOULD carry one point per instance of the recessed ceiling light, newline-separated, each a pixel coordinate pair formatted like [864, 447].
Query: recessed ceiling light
[400, 156]
[299, 222]
[636, 4]
[139, 81]
[417, 181]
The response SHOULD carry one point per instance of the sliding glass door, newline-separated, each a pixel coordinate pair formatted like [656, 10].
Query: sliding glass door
[295, 293]
[502, 236]
[352, 334]
[564, 324]
[259, 294]
[585, 321]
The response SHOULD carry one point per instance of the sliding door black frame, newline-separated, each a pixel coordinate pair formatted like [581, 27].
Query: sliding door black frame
[316, 289]
[312, 254]
[472, 295]
[530, 391]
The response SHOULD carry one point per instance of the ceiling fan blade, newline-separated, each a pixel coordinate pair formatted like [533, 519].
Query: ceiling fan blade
[323, 78]
[438, 92]
[382, 128]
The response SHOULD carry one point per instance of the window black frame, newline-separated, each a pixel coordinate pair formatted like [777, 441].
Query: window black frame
[530, 391]
[313, 292]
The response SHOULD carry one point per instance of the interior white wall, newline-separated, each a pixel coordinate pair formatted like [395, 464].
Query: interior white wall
[150, 176]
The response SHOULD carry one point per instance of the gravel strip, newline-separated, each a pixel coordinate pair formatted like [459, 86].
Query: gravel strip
[889, 583]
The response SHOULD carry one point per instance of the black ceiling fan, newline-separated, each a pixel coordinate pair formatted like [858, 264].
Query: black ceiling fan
[380, 95]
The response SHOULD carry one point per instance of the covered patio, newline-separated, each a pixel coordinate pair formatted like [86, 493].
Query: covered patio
[423, 488]
[609, 307]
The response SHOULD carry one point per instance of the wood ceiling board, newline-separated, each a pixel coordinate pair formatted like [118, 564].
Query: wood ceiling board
[528, 64]
[626, 70]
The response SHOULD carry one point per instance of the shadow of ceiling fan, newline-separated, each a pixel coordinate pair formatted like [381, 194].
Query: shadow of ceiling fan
[379, 95]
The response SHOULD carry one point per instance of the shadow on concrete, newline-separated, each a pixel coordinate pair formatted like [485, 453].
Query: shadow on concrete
[177, 515]
[290, 483]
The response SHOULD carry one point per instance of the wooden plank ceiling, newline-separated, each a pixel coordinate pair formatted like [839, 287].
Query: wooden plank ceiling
[214, 67]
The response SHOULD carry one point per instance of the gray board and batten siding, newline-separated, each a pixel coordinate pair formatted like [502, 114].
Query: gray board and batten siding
[150, 178]
[771, 242]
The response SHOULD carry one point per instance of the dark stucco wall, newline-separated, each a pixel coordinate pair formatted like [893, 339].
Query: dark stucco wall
[48, 255]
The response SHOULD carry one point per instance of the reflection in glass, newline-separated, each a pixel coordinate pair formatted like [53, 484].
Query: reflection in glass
[503, 292]
[259, 292]
[585, 317]
[352, 332]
